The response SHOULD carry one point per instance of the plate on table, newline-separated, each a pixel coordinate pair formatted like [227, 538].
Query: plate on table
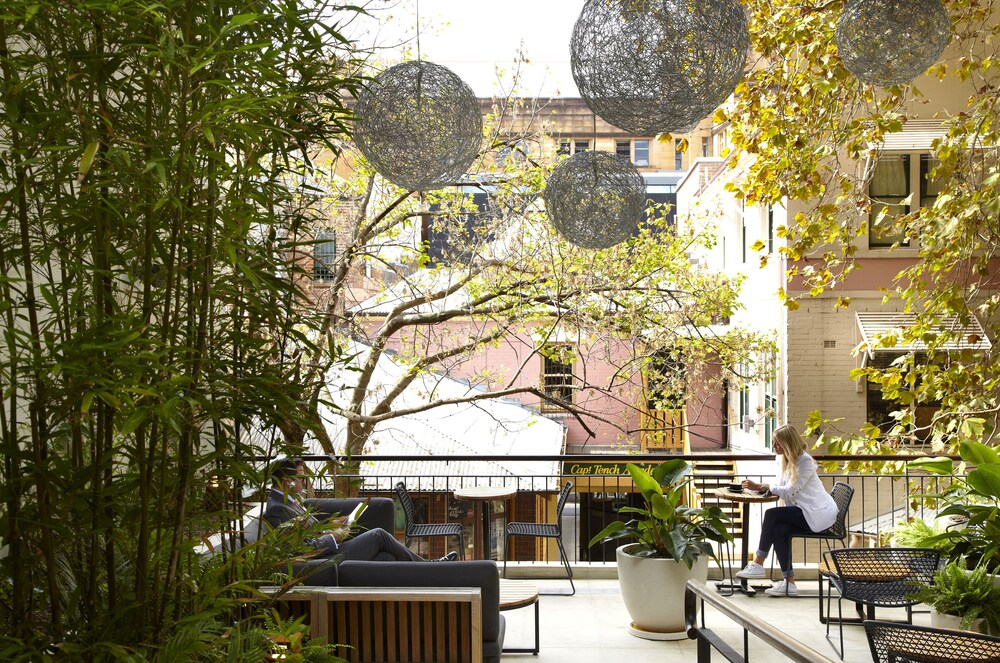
[735, 488]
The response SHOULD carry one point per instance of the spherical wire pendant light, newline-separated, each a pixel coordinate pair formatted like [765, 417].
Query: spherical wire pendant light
[890, 42]
[658, 66]
[595, 199]
[419, 125]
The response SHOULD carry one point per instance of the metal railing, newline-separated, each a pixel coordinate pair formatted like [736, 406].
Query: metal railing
[708, 639]
[602, 488]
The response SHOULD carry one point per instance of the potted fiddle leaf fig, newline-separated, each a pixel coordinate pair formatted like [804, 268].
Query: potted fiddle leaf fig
[671, 543]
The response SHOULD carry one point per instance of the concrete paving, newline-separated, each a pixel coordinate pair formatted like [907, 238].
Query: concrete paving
[592, 627]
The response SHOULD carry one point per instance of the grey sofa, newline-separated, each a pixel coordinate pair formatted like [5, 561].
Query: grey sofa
[388, 573]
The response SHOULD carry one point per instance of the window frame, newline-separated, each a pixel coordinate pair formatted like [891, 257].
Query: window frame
[623, 148]
[324, 260]
[883, 240]
[636, 147]
[565, 387]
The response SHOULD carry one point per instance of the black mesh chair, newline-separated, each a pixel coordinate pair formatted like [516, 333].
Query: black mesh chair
[415, 530]
[878, 578]
[905, 643]
[842, 495]
[544, 530]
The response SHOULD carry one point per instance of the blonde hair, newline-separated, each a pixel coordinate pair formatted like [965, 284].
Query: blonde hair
[792, 446]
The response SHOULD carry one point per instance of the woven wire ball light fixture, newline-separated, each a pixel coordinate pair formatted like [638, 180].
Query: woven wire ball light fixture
[658, 66]
[890, 42]
[419, 125]
[595, 199]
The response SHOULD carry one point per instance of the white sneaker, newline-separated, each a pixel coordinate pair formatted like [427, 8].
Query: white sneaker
[752, 570]
[783, 588]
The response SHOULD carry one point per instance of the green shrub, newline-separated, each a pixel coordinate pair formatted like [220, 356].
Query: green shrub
[970, 595]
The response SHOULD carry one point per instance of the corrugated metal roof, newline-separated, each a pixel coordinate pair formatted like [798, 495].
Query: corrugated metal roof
[489, 427]
[876, 324]
[916, 136]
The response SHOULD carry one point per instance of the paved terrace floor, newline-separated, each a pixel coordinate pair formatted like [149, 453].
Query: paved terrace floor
[592, 627]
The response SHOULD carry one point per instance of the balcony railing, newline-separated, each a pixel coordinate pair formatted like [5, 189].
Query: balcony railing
[602, 486]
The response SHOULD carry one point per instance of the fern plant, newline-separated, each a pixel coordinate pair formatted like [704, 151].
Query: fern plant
[970, 595]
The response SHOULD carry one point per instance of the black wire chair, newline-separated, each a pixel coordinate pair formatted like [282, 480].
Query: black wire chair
[878, 578]
[904, 643]
[544, 530]
[415, 530]
[842, 495]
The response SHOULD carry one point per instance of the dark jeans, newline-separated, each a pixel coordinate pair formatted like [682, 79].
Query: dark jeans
[780, 524]
[370, 545]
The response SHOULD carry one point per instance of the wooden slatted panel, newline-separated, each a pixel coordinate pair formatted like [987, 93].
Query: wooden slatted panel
[663, 430]
[405, 625]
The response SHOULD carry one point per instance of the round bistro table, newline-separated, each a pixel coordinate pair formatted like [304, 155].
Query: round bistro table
[481, 496]
[746, 498]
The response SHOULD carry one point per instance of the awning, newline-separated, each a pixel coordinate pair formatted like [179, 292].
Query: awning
[916, 136]
[875, 324]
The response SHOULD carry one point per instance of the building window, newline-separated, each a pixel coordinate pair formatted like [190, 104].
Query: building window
[889, 192]
[771, 401]
[743, 230]
[580, 145]
[324, 255]
[879, 409]
[642, 152]
[666, 382]
[557, 376]
[930, 188]
[770, 229]
[678, 155]
[704, 146]
[623, 148]
[564, 147]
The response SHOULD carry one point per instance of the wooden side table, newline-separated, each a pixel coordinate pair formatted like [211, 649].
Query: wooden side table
[516, 594]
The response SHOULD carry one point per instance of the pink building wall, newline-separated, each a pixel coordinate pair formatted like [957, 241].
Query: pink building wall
[607, 362]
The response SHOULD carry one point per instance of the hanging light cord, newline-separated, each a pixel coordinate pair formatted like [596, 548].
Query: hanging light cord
[418, 30]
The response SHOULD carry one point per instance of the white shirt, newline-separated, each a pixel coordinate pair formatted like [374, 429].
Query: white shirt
[808, 494]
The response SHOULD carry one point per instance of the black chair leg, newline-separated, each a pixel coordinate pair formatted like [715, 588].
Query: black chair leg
[461, 548]
[569, 569]
[506, 548]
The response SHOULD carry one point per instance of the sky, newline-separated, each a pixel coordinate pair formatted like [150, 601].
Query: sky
[474, 38]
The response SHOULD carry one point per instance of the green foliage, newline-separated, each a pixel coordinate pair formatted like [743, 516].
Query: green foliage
[970, 595]
[666, 526]
[803, 129]
[149, 157]
[975, 498]
[916, 533]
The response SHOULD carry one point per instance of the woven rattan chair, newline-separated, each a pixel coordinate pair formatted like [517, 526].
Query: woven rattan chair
[878, 578]
[415, 530]
[544, 530]
[905, 643]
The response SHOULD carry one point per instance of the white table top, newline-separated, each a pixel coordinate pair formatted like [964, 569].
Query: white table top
[484, 493]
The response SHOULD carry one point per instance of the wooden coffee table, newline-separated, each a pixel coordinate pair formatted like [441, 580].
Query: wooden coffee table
[516, 594]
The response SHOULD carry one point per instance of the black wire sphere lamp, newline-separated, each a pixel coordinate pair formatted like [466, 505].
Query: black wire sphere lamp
[419, 125]
[658, 66]
[595, 199]
[890, 42]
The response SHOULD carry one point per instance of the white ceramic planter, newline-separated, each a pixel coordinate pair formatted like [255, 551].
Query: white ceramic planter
[941, 620]
[653, 591]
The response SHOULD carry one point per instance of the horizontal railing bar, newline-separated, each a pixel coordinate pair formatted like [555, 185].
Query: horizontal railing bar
[582, 458]
[771, 636]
